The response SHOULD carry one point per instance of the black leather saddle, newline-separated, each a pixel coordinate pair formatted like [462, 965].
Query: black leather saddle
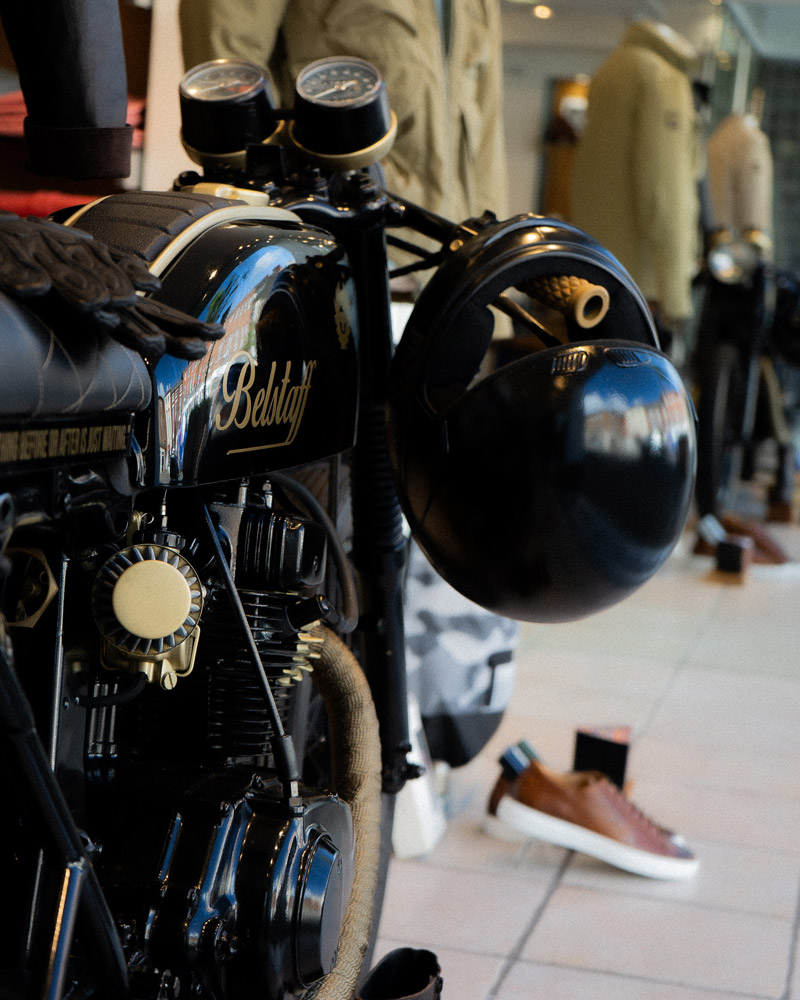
[49, 373]
[75, 335]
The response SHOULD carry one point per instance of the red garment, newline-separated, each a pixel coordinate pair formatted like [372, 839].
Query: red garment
[39, 203]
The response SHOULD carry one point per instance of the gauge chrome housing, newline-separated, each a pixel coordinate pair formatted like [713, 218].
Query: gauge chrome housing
[226, 104]
[342, 119]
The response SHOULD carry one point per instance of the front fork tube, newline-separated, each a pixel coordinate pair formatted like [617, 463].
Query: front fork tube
[359, 222]
[379, 556]
[763, 293]
[378, 542]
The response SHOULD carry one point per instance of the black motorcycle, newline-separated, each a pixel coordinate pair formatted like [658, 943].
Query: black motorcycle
[210, 454]
[746, 343]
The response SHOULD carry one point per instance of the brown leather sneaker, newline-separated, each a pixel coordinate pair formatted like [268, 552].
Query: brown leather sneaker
[585, 811]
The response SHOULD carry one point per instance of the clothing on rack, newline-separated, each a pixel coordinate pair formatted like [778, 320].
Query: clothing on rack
[634, 179]
[740, 176]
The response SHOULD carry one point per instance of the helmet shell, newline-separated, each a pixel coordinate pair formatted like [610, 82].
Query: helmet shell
[558, 483]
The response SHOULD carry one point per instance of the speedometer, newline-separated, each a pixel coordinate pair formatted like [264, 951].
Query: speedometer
[339, 81]
[342, 117]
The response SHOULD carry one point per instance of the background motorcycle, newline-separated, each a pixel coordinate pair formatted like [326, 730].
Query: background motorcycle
[185, 811]
[746, 347]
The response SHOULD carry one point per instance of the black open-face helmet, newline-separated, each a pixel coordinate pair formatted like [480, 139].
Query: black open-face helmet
[548, 475]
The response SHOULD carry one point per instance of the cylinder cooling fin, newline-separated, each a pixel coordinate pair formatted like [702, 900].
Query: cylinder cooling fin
[238, 721]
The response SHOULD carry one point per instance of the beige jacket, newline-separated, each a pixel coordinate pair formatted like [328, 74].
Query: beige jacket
[634, 181]
[449, 155]
[740, 177]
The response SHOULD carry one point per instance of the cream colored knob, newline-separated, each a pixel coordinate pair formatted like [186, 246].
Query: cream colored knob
[585, 303]
[151, 599]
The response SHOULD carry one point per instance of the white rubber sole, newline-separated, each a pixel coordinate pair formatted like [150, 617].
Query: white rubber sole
[514, 818]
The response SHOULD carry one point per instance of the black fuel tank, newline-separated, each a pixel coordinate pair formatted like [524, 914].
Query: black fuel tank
[280, 389]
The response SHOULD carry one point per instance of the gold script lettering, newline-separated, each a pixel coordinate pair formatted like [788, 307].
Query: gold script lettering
[278, 403]
[241, 394]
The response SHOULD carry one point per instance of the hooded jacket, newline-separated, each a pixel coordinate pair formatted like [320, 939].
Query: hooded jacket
[634, 180]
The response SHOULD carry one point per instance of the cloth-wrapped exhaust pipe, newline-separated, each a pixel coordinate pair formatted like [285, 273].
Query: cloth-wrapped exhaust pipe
[356, 762]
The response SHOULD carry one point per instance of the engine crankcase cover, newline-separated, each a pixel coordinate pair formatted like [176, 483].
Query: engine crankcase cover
[266, 889]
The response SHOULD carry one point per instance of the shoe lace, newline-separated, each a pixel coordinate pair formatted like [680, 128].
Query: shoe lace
[631, 808]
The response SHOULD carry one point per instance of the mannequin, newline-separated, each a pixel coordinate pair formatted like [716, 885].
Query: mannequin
[740, 178]
[634, 182]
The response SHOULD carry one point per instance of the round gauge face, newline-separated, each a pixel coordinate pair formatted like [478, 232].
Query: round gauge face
[339, 81]
[222, 80]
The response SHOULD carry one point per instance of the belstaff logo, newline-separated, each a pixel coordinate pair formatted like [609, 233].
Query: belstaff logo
[279, 404]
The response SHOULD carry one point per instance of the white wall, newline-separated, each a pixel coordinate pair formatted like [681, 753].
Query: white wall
[527, 72]
[164, 156]
[774, 29]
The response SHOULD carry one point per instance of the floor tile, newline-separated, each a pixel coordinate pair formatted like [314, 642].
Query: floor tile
[731, 769]
[465, 848]
[630, 629]
[731, 710]
[567, 689]
[553, 738]
[772, 648]
[479, 912]
[527, 980]
[574, 708]
[746, 819]
[794, 987]
[754, 625]
[676, 943]
[736, 878]
[617, 672]
[707, 674]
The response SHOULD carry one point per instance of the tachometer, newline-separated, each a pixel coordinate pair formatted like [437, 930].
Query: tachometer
[225, 105]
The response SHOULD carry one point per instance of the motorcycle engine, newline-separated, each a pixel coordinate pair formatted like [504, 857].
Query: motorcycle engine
[218, 881]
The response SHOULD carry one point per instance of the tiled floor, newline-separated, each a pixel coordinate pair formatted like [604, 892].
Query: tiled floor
[707, 674]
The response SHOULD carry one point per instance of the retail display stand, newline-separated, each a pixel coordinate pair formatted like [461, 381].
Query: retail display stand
[605, 749]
